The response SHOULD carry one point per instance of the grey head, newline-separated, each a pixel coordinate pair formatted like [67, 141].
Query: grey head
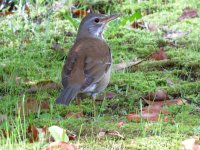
[93, 25]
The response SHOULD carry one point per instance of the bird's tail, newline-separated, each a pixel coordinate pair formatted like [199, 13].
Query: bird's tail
[67, 95]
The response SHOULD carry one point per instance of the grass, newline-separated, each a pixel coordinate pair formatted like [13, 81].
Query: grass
[27, 55]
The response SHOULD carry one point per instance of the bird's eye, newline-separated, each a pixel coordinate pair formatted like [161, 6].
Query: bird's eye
[96, 20]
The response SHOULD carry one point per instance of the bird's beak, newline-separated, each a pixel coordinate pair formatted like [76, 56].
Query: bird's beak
[110, 18]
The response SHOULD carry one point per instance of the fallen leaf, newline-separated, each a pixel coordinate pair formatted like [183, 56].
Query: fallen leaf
[28, 106]
[189, 13]
[61, 146]
[166, 118]
[138, 24]
[159, 95]
[152, 108]
[159, 55]
[152, 112]
[119, 124]
[5, 13]
[26, 8]
[58, 133]
[79, 12]
[174, 102]
[108, 95]
[166, 102]
[33, 133]
[72, 136]
[74, 115]
[10, 8]
[43, 85]
[150, 116]
[31, 106]
[36, 134]
[152, 27]
[45, 105]
[190, 144]
[5, 133]
[143, 25]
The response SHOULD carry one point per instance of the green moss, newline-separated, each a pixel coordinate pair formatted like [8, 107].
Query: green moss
[27, 54]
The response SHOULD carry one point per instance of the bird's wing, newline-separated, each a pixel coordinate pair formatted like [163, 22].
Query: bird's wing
[86, 63]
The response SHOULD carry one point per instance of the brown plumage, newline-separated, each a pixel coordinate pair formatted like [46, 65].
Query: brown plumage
[88, 66]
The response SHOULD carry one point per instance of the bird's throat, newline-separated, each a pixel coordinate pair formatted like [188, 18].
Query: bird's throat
[90, 33]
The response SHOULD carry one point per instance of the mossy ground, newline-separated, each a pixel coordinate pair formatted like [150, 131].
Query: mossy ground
[26, 52]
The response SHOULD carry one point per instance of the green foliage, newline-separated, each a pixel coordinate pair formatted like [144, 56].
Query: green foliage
[131, 18]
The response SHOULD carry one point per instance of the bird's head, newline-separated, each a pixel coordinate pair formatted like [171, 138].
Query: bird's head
[93, 25]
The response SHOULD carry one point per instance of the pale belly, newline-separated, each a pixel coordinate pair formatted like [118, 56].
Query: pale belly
[98, 87]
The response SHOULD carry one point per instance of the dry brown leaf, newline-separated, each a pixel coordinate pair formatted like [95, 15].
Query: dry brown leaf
[79, 12]
[159, 55]
[72, 136]
[159, 95]
[26, 8]
[10, 6]
[43, 85]
[152, 112]
[5, 13]
[74, 115]
[45, 105]
[34, 134]
[150, 116]
[138, 24]
[31, 106]
[152, 27]
[189, 13]
[143, 25]
[108, 95]
[119, 124]
[61, 146]
[5, 133]
[166, 102]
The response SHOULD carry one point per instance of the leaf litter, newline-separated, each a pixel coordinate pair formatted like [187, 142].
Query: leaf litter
[31, 106]
[156, 102]
[43, 85]
[188, 13]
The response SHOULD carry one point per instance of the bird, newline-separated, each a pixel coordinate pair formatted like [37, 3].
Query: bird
[87, 68]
